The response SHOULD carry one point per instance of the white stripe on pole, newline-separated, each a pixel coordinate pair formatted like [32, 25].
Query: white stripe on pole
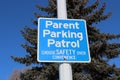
[61, 9]
[65, 70]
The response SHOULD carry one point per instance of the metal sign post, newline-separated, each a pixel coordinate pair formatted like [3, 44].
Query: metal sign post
[65, 70]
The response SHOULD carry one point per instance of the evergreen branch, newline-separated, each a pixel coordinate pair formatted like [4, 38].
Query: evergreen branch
[95, 18]
[111, 36]
[24, 60]
[50, 9]
[103, 73]
[75, 9]
[31, 50]
[88, 10]
[42, 16]
[41, 8]
[29, 35]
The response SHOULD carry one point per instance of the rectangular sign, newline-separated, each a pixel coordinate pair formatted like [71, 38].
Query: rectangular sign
[62, 40]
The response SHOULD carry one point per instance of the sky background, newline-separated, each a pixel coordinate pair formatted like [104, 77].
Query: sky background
[15, 14]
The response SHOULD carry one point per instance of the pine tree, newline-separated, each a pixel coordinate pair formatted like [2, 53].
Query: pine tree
[100, 48]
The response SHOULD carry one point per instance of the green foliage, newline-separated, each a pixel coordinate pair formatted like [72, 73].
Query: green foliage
[100, 47]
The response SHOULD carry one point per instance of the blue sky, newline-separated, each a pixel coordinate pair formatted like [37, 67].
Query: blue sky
[15, 14]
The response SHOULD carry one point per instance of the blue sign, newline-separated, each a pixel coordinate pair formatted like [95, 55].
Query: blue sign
[62, 40]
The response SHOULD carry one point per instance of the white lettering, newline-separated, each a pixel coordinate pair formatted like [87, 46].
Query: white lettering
[50, 42]
[74, 25]
[46, 32]
[63, 34]
[63, 43]
[48, 23]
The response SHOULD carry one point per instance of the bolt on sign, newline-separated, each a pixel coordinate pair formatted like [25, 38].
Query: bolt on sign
[62, 40]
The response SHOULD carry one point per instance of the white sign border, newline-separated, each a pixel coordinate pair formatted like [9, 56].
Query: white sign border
[38, 47]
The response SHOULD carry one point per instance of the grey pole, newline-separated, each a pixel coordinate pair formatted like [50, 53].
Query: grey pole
[65, 70]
